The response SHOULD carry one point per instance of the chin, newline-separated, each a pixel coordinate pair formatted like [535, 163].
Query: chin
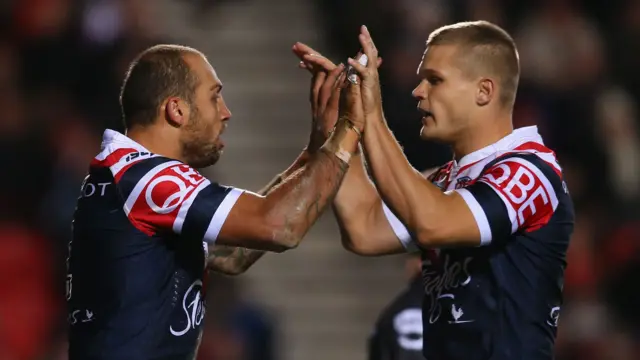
[430, 133]
[205, 159]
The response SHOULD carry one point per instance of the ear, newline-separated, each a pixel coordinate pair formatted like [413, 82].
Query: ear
[486, 92]
[176, 111]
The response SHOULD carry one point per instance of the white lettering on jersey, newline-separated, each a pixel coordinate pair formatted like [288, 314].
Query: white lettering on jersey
[90, 189]
[130, 160]
[554, 315]
[172, 201]
[80, 316]
[528, 195]
[173, 195]
[408, 326]
[522, 187]
[193, 307]
[439, 284]
[161, 199]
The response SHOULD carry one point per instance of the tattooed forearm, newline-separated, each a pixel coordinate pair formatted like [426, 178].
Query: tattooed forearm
[299, 201]
[231, 260]
[236, 260]
[294, 202]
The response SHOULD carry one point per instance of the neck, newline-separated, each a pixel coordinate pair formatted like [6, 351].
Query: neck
[482, 135]
[156, 140]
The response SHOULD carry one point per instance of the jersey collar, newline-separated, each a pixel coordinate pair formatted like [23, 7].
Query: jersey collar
[114, 140]
[509, 142]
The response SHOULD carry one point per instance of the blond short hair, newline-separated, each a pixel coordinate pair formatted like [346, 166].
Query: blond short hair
[485, 48]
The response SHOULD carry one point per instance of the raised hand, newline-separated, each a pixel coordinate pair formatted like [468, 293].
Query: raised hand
[324, 94]
[320, 62]
[370, 79]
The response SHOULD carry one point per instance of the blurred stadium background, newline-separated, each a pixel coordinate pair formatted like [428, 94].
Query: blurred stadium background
[61, 64]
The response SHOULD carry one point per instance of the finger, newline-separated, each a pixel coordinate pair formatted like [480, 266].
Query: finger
[341, 83]
[334, 101]
[359, 68]
[368, 46]
[329, 84]
[318, 80]
[353, 92]
[319, 62]
[360, 54]
[301, 49]
[303, 65]
[353, 102]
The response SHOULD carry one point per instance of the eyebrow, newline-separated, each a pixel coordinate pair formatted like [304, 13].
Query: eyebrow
[428, 72]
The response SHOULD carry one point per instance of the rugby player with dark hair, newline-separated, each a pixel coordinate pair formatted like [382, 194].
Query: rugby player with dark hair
[493, 225]
[148, 225]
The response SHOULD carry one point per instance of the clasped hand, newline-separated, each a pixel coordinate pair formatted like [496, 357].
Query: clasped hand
[332, 97]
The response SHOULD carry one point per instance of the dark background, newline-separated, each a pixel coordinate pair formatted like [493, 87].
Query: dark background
[62, 61]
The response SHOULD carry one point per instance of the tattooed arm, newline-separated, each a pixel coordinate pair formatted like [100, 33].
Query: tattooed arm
[231, 260]
[279, 221]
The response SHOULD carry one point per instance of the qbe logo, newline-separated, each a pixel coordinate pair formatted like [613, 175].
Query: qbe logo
[171, 187]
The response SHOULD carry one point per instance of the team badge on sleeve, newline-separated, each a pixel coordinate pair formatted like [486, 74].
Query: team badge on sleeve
[527, 193]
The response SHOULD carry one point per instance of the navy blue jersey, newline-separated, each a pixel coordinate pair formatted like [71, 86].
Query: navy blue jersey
[137, 262]
[398, 331]
[500, 300]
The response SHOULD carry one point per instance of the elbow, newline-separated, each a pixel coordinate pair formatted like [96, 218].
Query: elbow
[348, 242]
[239, 269]
[232, 272]
[355, 239]
[355, 246]
[430, 237]
[285, 242]
[229, 269]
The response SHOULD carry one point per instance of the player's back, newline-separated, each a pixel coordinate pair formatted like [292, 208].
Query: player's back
[132, 293]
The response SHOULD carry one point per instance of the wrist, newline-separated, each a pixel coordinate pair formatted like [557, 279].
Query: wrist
[353, 126]
[317, 138]
[375, 116]
[375, 120]
[344, 140]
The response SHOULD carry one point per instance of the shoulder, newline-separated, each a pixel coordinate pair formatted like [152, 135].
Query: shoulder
[530, 187]
[440, 174]
[522, 167]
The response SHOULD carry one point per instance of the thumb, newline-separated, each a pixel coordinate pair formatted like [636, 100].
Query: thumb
[353, 95]
[353, 99]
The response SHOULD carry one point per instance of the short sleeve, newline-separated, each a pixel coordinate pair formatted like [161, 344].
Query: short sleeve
[164, 195]
[516, 193]
[400, 230]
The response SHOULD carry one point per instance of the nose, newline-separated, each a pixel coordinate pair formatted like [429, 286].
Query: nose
[420, 92]
[225, 113]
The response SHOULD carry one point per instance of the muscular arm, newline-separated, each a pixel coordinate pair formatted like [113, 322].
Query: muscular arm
[358, 209]
[432, 218]
[280, 220]
[236, 260]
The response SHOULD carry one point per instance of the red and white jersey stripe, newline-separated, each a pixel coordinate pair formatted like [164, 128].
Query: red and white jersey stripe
[162, 195]
[520, 170]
